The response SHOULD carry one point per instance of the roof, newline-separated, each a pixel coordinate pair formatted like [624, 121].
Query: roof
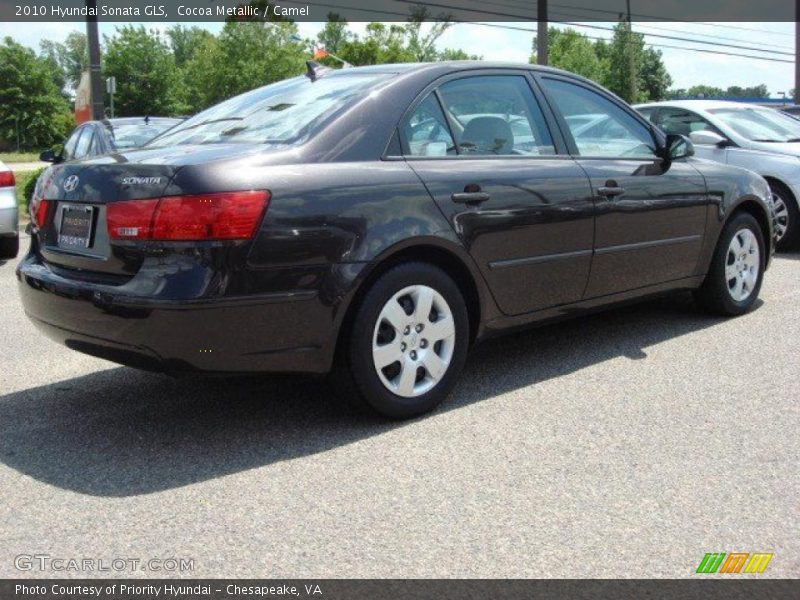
[697, 104]
[453, 65]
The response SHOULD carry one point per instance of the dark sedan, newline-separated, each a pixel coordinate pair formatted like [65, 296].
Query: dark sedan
[376, 222]
[94, 138]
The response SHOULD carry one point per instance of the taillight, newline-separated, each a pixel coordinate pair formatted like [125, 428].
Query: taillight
[39, 210]
[222, 216]
[7, 179]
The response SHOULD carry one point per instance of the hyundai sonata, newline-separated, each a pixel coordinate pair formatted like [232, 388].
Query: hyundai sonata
[376, 222]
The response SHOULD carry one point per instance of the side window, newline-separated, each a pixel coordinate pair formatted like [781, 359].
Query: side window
[496, 115]
[68, 153]
[599, 126]
[676, 120]
[84, 143]
[426, 131]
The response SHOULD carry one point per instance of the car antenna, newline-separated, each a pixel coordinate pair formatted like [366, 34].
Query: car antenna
[315, 70]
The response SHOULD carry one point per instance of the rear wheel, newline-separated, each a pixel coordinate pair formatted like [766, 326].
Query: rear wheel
[787, 217]
[408, 342]
[734, 280]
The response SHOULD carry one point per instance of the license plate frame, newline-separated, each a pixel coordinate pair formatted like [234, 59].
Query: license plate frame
[76, 227]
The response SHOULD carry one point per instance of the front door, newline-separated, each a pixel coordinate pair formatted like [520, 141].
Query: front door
[651, 214]
[483, 147]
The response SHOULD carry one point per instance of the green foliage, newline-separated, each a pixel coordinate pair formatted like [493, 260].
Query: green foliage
[26, 182]
[70, 58]
[609, 62]
[29, 92]
[572, 51]
[185, 41]
[148, 80]
[734, 91]
[334, 34]
[246, 55]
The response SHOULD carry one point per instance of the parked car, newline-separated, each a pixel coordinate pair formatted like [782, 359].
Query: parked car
[94, 138]
[760, 139]
[305, 226]
[9, 218]
[792, 111]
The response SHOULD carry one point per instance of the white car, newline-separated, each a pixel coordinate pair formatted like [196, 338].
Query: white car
[760, 139]
[9, 218]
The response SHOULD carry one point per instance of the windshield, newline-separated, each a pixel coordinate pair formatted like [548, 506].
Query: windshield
[280, 113]
[760, 124]
[133, 136]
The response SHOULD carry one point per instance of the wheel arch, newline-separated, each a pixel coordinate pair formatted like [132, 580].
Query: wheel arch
[454, 261]
[759, 213]
[772, 179]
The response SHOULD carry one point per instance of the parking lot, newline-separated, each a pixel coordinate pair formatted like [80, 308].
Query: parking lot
[626, 444]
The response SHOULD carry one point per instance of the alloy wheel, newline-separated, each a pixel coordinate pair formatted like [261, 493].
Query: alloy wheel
[742, 264]
[413, 341]
[781, 216]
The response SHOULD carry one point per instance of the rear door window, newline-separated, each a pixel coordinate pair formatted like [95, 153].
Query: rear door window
[496, 115]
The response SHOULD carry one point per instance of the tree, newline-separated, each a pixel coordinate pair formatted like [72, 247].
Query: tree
[422, 46]
[30, 99]
[148, 81]
[654, 79]
[71, 57]
[246, 55]
[334, 34]
[572, 51]
[185, 41]
[457, 54]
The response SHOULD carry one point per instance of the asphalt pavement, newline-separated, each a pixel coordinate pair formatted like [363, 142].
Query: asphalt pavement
[626, 444]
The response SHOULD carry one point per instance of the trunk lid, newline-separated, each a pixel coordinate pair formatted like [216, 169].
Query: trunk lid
[74, 240]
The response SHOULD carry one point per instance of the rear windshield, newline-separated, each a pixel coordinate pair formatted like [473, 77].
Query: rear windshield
[133, 136]
[281, 113]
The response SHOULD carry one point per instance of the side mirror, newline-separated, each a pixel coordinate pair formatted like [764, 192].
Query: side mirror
[678, 146]
[705, 137]
[48, 156]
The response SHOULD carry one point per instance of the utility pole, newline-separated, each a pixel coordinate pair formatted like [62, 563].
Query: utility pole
[631, 57]
[541, 31]
[93, 41]
[797, 51]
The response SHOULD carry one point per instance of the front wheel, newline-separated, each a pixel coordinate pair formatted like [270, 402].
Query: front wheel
[787, 218]
[733, 282]
[408, 342]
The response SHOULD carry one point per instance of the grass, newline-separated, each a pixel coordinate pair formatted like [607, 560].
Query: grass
[19, 157]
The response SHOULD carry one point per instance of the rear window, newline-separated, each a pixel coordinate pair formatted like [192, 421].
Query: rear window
[134, 136]
[281, 113]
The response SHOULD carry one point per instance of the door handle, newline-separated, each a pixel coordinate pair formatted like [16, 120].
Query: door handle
[470, 197]
[610, 191]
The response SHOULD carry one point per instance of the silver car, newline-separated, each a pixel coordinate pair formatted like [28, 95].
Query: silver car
[757, 138]
[9, 218]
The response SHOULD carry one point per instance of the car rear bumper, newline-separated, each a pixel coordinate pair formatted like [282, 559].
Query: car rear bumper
[9, 222]
[286, 331]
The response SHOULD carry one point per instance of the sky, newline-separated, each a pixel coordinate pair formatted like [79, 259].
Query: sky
[499, 43]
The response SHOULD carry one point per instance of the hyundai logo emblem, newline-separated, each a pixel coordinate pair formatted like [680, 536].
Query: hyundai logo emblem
[71, 183]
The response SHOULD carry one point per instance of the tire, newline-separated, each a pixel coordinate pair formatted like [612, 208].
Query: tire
[731, 287]
[9, 247]
[425, 370]
[788, 216]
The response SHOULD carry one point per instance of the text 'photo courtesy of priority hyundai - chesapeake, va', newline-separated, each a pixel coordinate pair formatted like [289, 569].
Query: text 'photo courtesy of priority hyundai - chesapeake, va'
[399, 299]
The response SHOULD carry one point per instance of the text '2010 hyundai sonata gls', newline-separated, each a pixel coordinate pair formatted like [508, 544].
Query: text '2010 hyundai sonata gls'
[375, 222]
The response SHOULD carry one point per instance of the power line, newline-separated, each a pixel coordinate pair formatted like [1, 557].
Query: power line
[639, 24]
[599, 27]
[529, 30]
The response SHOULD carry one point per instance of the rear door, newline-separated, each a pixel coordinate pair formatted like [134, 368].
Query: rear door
[650, 214]
[487, 153]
